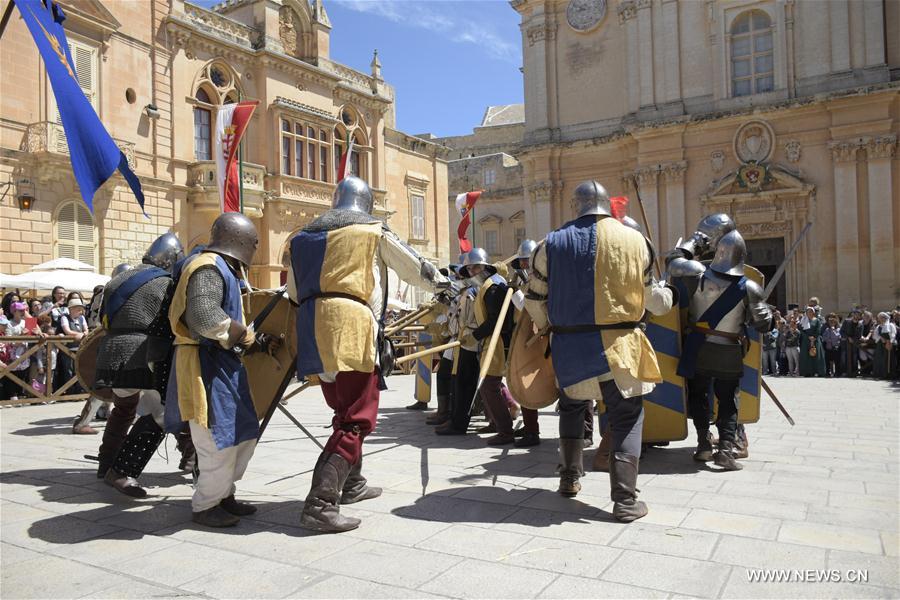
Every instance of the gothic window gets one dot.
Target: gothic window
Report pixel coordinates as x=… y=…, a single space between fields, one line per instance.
x=216 y=85
x=304 y=150
x=75 y=234
x=203 y=126
x=358 y=161
x=752 y=59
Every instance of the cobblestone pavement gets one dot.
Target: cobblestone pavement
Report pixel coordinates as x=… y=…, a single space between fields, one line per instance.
x=458 y=519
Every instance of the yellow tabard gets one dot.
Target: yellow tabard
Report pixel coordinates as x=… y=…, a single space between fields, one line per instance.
x=498 y=361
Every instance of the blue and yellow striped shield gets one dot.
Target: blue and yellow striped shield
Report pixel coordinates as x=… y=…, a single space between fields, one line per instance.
x=423 y=371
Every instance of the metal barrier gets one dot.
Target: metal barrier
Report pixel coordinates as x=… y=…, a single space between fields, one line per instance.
x=60 y=343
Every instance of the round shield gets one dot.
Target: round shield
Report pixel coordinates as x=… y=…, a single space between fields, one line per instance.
x=86 y=357
x=531 y=378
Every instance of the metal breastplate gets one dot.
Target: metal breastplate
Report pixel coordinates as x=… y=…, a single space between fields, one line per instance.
x=708 y=290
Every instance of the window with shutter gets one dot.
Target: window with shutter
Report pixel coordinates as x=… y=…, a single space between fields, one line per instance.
x=75 y=234
x=85 y=59
x=417 y=231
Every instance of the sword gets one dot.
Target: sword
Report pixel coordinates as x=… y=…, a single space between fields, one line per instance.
x=775 y=400
x=778 y=274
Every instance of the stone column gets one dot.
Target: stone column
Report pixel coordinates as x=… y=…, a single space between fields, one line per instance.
x=645 y=48
x=675 y=218
x=647 y=179
x=846 y=222
x=840 y=35
x=537 y=210
x=880 y=151
x=672 y=49
x=627 y=12
x=873 y=17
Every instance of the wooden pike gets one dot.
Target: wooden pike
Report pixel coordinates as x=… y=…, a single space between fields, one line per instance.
x=421 y=353
x=492 y=347
x=412 y=317
x=637 y=193
x=775 y=400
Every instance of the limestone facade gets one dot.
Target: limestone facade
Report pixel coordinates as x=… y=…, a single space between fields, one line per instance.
x=778 y=112
x=156 y=71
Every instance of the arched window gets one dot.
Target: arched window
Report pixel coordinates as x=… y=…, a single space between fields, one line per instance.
x=752 y=60
x=75 y=234
x=350 y=121
x=203 y=126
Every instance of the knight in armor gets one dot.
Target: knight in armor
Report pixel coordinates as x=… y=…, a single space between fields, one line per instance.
x=209 y=388
x=721 y=302
x=530 y=434
x=589 y=289
x=338 y=278
x=133 y=361
x=446 y=329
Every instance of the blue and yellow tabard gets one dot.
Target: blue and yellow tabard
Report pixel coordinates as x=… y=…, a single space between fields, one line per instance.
x=596 y=277
x=336 y=329
x=498 y=361
x=209 y=383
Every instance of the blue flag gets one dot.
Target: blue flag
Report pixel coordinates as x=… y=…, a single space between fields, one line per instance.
x=95 y=156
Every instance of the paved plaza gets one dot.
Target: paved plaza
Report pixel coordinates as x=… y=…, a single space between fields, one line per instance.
x=459 y=519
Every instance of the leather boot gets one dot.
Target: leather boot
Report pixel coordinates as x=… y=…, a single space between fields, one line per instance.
x=570 y=455
x=356 y=488
x=443 y=412
x=185 y=446
x=120 y=419
x=125 y=484
x=741 y=443
x=601 y=457
x=215 y=517
x=321 y=511
x=623 y=472
x=704 y=447
x=238 y=509
x=726 y=458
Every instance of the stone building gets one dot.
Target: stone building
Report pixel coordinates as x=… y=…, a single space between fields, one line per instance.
x=155 y=71
x=485 y=160
x=778 y=112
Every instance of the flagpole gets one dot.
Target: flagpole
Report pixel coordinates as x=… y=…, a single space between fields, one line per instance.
x=241 y=166
x=6 y=15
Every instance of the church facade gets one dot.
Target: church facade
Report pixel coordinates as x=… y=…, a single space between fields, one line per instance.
x=778 y=112
x=156 y=72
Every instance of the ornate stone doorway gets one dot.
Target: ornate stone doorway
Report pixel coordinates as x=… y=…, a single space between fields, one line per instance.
x=767 y=254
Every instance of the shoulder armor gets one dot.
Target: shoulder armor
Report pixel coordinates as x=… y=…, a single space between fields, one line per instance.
x=754 y=292
x=682 y=267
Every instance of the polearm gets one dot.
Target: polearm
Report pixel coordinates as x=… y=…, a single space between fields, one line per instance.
x=412 y=317
x=6 y=15
x=775 y=400
x=492 y=346
x=637 y=193
x=778 y=274
x=421 y=353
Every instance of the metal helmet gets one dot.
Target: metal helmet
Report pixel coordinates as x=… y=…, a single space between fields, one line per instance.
x=526 y=249
x=234 y=235
x=591 y=198
x=164 y=252
x=121 y=268
x=629 y=222
x=714 y=227
x=731 y=251
x=477 y=256
x=352 y=193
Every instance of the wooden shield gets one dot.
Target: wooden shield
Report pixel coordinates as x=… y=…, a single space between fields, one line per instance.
x=748 y=406
x=271 y=372
x=531 y=378
x=86 y=358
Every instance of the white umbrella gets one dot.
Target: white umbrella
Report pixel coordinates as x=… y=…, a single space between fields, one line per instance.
x=67 y=264
x=79 y=281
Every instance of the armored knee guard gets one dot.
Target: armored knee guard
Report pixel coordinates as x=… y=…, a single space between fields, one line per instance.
x=140 y=444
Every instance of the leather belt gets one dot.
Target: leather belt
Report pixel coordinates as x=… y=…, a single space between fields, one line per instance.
x=591 y=327
x=725 y=334
x=335 y=295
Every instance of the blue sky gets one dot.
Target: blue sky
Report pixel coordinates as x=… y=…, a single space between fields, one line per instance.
x=447 y=60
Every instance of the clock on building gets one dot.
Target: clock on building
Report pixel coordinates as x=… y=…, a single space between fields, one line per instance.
x=584 y=15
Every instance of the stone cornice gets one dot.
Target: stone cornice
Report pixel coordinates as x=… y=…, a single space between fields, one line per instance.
x=881 y=146
x=627 y=9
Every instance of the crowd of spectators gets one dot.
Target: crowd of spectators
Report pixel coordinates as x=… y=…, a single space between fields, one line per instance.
x=804 y=343
x=59 y=314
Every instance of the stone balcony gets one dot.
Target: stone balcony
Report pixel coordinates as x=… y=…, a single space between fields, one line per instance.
x=47 y=140
x=204 y=192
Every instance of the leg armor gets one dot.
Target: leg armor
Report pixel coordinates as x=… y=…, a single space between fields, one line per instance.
x=139 y=447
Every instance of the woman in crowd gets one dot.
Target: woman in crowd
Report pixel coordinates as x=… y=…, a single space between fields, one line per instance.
x=812 y=356
x=17 y=327
x=792 y=348
x=770 y=351
x=831 y=339
x=883 y=335
x=6 y=303
x=780 y=345
x=72 y=323
x=866 y=344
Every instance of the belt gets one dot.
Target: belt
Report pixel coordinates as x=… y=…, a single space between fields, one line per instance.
x=725 y=334
x=591 y=327
x=335 y=295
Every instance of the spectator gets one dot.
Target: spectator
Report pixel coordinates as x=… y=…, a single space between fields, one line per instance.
x=812 y=356
x=45 y=358
x=850 y=332
x=792 y=348
x=6 y=303
x=7 y=385
x=866 y=344
x=831 y=339
x=814 y=302
x=93 y=311
x=770 y=351
x=35 y=307
x=883 y=336
x=782 y=352
x=72 y=324
x=16 y=327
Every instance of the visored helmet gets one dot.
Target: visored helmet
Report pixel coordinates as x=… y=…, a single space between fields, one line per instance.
x=731 y=252
x=234 y=235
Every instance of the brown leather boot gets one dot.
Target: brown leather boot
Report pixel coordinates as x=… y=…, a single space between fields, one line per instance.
x=741 y=443
x=601 y=456
x=570 y=455
x=356 y=488
x=215 y=517
x=623 y=472
x=443 y=412
x=125 y=484
x=321 y=511
x=120 y=419
x=726 y=458
x=704 y=447
x=238 y=509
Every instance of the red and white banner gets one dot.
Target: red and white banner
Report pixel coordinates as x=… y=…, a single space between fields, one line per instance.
x=464 y=204
x=231 y=123
x=345 y=161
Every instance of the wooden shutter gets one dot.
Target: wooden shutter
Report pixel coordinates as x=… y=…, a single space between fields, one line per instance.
x=75 y=236
x=85 y=59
